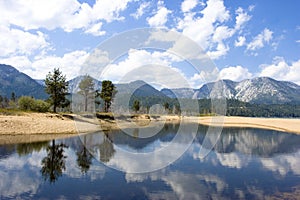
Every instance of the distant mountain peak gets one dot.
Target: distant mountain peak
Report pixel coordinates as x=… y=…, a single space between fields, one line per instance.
x=257 y=90
x=11 y=80
x=264 y=90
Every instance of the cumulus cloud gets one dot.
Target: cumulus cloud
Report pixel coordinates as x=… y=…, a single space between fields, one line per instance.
x=140 y=11
x=241 y=18
x=210 y=30
x=69 y=63
x=221 y=50
x=236 y=73
x=68 y=15
x=201 y=29
x=240 y=41
x=188 y=5
x=156 y=64
x=260 y=40
x=96 y=30
x=21 y=42
x=282 y=70
x=161 y=16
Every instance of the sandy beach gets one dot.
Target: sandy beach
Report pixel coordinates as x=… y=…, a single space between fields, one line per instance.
x=278 y=124
x=28 y=127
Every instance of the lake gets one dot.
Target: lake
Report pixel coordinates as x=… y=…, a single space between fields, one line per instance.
x=244 y=164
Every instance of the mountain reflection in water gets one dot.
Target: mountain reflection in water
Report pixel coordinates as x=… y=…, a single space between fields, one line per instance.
x=244 y=164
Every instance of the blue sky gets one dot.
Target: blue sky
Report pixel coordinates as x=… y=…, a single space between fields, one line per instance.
x=244 y=39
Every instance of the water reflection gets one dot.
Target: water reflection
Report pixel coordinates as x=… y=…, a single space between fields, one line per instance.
x=53 y=164
x=84 y=157
x=106 y=149
x=245 y=164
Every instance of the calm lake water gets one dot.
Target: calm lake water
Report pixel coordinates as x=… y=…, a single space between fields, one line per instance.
x=244 y=164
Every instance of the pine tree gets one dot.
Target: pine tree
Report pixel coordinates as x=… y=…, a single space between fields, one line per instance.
x=56 y=87
x=136 y=105
x=86 y=87
x=107 y=93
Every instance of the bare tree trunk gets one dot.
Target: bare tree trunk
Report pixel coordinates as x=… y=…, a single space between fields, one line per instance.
x=85 y=104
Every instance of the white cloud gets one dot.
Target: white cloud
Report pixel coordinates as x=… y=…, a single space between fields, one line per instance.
x=161 y=16
x=188 y=5
x=210 y=29
x=260 y=40
x=96 y=30
x=281 y=70
x=241 y=18
x=141 y=10
x=156 y=64
x=202 y=29
x=21 y=42
x=22 y=63
x=68 y=14
x=221 y=50
x=240 y=41
x=109 y=10
x=236 y=73
x=205 y=76
x=38 y=68
x=221 y=33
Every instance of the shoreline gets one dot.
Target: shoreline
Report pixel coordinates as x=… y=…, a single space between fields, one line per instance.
x=290 y=125
x=34 y=127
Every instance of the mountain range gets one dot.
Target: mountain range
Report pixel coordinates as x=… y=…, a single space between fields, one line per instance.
x=260 y=90
x=11 y=80
x=257 y=90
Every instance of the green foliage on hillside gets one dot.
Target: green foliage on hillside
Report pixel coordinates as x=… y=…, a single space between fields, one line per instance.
x=234 y=107
x=238 y=108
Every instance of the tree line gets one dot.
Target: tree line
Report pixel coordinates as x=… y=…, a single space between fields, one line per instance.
x=234 y=107
x=56 y=87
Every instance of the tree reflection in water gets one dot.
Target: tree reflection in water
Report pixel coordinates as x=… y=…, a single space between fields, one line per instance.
x=25 y=149
x=106 y=149
x=84 y=157
x=54 y=163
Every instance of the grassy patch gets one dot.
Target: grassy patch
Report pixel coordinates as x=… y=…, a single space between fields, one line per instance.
x=101 y=115
x=16 y=112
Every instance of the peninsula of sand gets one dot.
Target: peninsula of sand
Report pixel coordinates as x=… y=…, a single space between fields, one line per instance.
x=28 y=127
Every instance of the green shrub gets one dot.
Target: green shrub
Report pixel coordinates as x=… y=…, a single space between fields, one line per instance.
x=26 y=103
x=29 y=103
x=40 y=106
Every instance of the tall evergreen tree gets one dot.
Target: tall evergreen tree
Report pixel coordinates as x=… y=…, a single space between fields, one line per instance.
x=86 y=87
x=13 y=97
x=56 y=87
x=107 y=94
x=1 y=101
x=136 y=105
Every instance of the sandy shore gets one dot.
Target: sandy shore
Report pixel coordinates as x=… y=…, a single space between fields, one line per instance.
x=279 y=124
x=29 y=127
